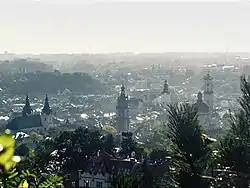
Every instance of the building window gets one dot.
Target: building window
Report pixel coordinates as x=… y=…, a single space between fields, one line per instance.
x=98 y=184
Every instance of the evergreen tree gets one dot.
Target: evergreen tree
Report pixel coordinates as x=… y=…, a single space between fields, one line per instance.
x=190 y=153
x=109 y=144
x=128 y=145
x=234 y=151
x=158 y=155
x=75 y=148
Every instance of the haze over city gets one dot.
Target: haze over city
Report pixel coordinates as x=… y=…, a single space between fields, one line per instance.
x=67 y=27
x=122 y=94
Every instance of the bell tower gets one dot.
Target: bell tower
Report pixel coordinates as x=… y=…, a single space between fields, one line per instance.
x=208 y=90
x=46 y=115
x=122 y=112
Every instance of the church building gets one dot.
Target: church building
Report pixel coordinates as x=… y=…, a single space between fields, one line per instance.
x=29 y=120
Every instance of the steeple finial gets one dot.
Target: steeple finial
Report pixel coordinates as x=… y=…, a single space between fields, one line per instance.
x=46 y=108
x=27 y=110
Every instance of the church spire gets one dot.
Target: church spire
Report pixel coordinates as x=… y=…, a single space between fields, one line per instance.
x=46 y=108
x=165 y=88
x=27 y=110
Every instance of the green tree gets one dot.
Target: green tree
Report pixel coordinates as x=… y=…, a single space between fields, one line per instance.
x=109 y=129
x=23 y=149
x=109 y=145
x=157 y=137
x=190 y=153
x=234 y=150
x=74 y=149
x=41 y=159
x=120 y=180
x=128 y=145
x=158 y=155
x=10 y=177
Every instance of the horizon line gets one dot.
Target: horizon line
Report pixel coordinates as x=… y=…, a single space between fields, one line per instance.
x=136 y=53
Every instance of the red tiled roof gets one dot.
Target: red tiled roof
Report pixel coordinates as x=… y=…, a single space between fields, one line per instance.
x=105 y=163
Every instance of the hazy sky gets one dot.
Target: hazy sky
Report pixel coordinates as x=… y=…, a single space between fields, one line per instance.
x=30 y=26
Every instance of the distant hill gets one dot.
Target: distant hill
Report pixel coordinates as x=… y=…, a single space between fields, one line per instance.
x=51 y=82
x=24 y=65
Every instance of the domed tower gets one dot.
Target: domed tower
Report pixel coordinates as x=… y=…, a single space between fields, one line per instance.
x=208 y=91
x=46 y=115
x=199 y=97
x=202 y=110
x=122 y=112
x=27 y=110
x=165 y=88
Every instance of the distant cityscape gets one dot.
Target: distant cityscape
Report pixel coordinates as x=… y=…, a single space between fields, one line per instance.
x=45 y=95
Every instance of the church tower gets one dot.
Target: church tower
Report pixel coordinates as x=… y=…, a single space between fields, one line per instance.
x=165 y=88
x=122 y=116
x=27 y=110
x=46 y=115
x=208 y=91
x=202 y=110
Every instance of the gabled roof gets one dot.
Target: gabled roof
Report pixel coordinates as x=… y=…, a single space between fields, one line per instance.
x=24 y=122
x=105 y=163
x=202 y=107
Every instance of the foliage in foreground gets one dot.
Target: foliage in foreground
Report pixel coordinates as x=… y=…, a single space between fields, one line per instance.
x=191 y=156
x=190 y=152
x=234 y=150
x=10 y=177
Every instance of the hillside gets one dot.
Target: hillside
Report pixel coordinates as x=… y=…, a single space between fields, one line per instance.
x=49 y=82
